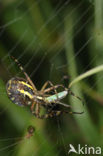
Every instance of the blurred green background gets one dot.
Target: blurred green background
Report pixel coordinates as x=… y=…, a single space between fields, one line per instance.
x=51 y=39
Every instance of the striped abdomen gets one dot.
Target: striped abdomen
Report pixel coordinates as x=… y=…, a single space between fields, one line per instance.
x=19 y=91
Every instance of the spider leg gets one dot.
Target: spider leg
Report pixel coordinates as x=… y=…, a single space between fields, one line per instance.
x=52 y=114
x=26 y=75
x=48 y=83
x=37 y=110
x=65 y=105
x=45 y=85
x=51 y=88
x=71 y=93
x=58 y=112
x=36 y=113
x=40 y=116
x=32 y=106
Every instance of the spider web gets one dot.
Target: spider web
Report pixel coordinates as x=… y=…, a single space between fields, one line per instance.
x=43 y=56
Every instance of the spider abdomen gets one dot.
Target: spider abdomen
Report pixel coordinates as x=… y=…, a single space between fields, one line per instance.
x=19 y=91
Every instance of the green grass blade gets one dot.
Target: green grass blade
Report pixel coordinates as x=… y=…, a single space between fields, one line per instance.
x=88 y=129
x=86 y=74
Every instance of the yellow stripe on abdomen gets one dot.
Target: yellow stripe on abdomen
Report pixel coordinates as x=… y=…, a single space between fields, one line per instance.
x=26 y=84
x=25 y=93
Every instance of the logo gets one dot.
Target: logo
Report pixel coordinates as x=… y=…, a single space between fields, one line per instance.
x=84 y=150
